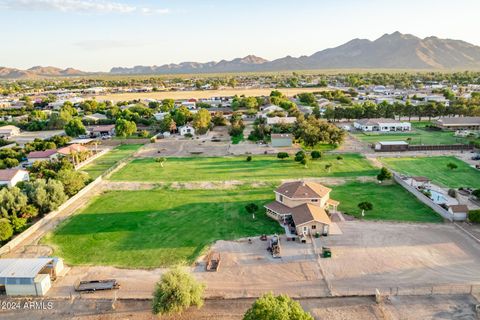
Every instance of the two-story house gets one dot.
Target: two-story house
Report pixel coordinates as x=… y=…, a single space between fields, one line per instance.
x=306 y=204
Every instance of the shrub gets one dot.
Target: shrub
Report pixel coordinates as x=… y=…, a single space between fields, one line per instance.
x=339 y=158
x=251 y=208
x=474 y=216
x=384 y=174
x=316 y=155
x=176 y=291
x=452 y=166
x=282 y=155
x=249 y=158
x=452 y=193
x=476 y=193
x=299 y=156
x=143 y=134
x=6 y=230
x=270 y=307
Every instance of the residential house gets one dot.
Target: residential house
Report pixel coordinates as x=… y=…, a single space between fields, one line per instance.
x=439 y=99
x=72 y=149
x=159 y=116
x=47 y=155
x=101 y=130
x=95 y=117
x=303 y=205
x=458 y=123
x=281 y=120
x=265 y=110
x=6 y=132
x=186 y=129
x=10 y=177
x=381 y=125
x=281 y=140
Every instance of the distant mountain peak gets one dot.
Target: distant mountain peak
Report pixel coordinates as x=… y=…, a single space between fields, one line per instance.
x=390 y=51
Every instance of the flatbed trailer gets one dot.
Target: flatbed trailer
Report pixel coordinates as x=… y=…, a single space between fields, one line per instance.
x=96 y=285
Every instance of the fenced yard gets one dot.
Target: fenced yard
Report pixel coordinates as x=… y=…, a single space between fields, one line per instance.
x=435 y=168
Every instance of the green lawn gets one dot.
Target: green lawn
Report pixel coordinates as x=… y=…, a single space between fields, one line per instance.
x=390 y=202
x=155 y=228
x=148 y=229
x=436 y=169
x=418 y=135
x=100 y=165
x=261 y=168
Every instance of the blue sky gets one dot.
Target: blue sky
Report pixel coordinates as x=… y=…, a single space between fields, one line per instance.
x=98 y=35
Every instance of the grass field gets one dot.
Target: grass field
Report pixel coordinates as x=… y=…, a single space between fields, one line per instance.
x=147 y=229
x=436 y=169
x=390 y=202
x=261 y=168
x=154 y=228
x=419 y=135
x=100 y=165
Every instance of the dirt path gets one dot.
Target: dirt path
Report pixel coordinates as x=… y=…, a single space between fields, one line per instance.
x=457 y=307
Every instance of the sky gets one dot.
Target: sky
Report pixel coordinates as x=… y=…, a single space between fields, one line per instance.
x=98 y=35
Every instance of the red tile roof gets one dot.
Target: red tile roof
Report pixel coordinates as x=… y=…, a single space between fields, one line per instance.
x=42 y=154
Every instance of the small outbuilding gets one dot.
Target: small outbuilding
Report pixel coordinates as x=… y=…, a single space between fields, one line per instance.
x=459 y=212
x=186 y=129
x=28 y=277
x=281 y=140
x=391 y=146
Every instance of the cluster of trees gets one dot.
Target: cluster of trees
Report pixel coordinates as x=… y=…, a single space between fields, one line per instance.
x=385 y=110
x=236 y=124
x=313 y=131
x=51 y=184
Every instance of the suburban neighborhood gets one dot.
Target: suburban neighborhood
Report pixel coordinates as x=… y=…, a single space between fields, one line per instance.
x=153 y=167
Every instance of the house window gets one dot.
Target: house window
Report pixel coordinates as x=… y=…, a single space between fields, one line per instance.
x=314 y=200
x=281 y=198
x=314 y=227
x=305 y=229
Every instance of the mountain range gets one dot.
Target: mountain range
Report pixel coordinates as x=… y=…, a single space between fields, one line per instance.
x=390 y=51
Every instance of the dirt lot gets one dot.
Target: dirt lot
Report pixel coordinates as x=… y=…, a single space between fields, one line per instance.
x=393 y=257
x=214 y=144
x=202 y=94
x=458 y=307
x=383 y=255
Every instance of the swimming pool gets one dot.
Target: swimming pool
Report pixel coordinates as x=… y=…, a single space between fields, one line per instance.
x=437 y=197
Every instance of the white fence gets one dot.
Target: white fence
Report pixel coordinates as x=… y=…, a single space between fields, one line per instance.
x=423 y=198
x=89 y=160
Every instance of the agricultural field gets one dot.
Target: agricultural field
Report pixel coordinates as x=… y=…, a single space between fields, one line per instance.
x=436 y=169
x=261 y=168
x=390 y=202
x=154 y=228
x=418 y=135
x=100 y=165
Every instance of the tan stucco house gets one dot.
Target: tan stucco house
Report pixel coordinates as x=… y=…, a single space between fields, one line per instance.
x=304 y=204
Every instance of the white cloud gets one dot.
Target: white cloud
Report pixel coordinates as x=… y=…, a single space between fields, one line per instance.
x=80 y=6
